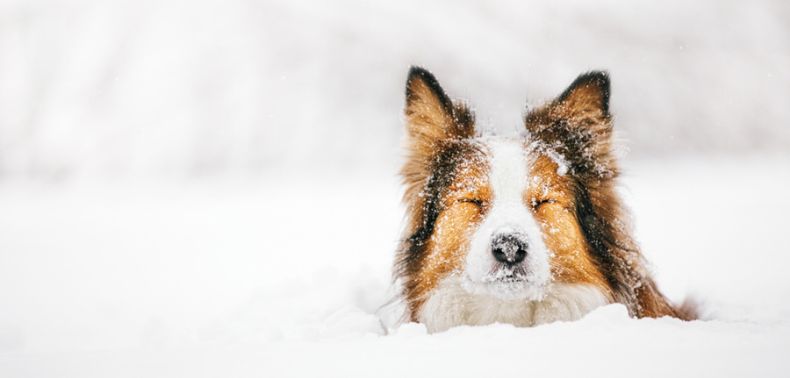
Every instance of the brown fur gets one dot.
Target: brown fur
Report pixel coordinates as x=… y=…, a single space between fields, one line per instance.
x=572 y=261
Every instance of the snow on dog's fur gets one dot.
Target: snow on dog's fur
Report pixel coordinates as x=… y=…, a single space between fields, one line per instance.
x=523 y=230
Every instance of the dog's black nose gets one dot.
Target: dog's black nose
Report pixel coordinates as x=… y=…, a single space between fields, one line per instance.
x=509 y=249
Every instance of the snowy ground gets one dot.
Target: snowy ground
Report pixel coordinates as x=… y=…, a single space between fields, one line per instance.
x=287 y=278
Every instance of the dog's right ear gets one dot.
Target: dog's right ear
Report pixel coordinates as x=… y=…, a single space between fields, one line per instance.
x=431 y=117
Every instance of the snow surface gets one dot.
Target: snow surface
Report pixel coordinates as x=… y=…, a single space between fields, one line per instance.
x=287 y=278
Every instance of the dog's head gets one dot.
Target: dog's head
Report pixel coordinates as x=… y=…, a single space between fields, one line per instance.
x=513 y=216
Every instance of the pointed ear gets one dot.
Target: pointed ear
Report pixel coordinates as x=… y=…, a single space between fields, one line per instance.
x=430 y=114
x=577 y=124
x=589 y=93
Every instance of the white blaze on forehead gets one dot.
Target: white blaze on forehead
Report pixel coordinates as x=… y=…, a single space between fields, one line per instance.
x=508 y=213
x=508 y=175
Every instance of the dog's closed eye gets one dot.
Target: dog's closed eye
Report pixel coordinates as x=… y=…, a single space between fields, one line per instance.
x=536 y=204
x=475 y=201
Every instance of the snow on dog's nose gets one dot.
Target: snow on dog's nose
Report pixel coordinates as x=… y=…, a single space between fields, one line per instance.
x=509 y=248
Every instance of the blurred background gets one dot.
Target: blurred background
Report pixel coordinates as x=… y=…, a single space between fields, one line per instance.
x=172 y=88
x=178 y=172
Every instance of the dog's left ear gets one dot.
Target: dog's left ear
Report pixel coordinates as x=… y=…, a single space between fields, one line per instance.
x=577 y=125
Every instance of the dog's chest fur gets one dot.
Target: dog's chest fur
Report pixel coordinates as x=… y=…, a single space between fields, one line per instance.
x=450 y=305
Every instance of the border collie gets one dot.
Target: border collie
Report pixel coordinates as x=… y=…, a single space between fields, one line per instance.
x=523 y=230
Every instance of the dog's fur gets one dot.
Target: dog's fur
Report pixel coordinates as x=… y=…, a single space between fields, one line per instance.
x=549 y=194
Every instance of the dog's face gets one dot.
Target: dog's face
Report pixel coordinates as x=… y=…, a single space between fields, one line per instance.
x=506 y=221
x=504 y=217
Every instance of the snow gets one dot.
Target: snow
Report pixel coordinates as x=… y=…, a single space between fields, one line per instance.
x=291 y=277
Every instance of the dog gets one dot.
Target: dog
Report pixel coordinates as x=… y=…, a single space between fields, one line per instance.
x=523 y=230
